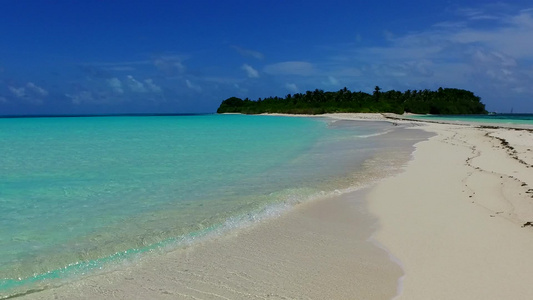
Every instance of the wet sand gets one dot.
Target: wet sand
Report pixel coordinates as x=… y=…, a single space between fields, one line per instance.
x=317 y=251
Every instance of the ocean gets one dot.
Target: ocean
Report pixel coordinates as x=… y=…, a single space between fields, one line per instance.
x=497 y=119
x=80 y=195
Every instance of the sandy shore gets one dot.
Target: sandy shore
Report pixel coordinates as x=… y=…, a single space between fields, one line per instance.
x=317 y=251
x=455 y=218
x=452 y=223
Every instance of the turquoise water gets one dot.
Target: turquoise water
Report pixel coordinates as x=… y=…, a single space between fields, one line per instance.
x=80 y=194
x=515 y=119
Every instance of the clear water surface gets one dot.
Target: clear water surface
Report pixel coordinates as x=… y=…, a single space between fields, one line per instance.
x=78 y=194
x=510 y=119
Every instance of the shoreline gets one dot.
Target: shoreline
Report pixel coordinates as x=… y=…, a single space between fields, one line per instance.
x=318 y=250
x=448 y=227
x=460 y=228
x=459 y=219
x=311 y=250
x=406 y=119
x=485 y=253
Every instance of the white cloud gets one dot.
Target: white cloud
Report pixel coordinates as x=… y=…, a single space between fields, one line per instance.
x=493 y=59
x=116 y=85
x=291 y=87
x=332 y=80
x=523 y=20
x=500 y=69
x=81 y=97
x=121 y=69
x=102 y=68
x=240 y=89
x=170 y=64
x=251 y=72
x=476 y=14
x=30 y=92
x=192 y=86
x=149 y=83
x=509 y=34
x=134 y=85
x=450 y=24
x=388 y=35
x=248 y=52
x=301 y=68
x=18 y=92
x=36 y=89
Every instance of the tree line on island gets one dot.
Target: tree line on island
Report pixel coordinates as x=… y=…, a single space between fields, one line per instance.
x=445 y=101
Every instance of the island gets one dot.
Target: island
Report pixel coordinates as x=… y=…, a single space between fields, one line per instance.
x=444 y=101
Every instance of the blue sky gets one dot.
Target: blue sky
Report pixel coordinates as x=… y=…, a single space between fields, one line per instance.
x=72 y=57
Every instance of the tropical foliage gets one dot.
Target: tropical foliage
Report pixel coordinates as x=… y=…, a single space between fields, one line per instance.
x=442 y=101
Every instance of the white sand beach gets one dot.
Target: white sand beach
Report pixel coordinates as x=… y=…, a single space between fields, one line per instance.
x=455 y=218
x=452 y=225
x=317 y=251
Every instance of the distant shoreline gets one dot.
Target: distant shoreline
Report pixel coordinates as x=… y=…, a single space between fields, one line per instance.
x=408 y=118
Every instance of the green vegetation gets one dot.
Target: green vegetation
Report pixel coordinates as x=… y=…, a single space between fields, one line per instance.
x=443 y=101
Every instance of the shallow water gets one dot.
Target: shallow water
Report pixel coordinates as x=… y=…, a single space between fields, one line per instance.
x=80 y=194
x=509 y=119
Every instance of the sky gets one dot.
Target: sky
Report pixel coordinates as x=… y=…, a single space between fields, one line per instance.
x=108 y=57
